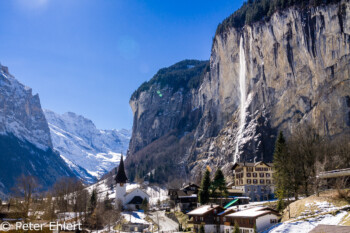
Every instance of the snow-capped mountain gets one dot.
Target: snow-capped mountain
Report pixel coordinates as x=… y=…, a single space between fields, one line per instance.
x=25 y=142
x=21 y=113
x=88 y=151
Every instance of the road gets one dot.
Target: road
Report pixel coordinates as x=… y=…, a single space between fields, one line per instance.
x=165 y=224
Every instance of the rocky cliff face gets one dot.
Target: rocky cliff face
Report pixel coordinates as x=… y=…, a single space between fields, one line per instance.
x=25 y=142
x=21 y=113
x=267 y=77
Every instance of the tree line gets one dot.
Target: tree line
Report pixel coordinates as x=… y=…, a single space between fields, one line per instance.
x=256 y=10
x=298 y=160
x=68 y=195
x=212 y=188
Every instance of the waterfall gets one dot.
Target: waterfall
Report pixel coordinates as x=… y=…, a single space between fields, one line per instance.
x=242 y=85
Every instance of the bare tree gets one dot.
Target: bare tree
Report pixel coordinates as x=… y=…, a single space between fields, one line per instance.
x=26 y=187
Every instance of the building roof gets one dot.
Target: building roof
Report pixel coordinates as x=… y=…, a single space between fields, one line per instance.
x=137 y=200
x=330 y=228
x=202 y=210
x=244 y=164
x=252 y=212
x=121 y=178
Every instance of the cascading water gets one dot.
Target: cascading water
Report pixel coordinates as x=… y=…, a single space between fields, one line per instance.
x=242 y=85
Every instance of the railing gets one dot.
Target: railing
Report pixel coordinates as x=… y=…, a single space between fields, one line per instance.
x=334 y=173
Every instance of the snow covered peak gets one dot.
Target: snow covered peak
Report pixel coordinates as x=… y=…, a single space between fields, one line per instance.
x=20 y=112
x=90 y=152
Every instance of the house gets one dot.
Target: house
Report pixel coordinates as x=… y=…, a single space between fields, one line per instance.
x=130 y=200
x=247 y=219
x=206 y=215
x=186 y=198
x=254 y=180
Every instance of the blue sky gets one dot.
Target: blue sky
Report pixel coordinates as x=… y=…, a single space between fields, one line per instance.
x=88 y=56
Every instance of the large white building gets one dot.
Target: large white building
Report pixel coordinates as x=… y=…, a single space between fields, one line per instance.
x=132 y=199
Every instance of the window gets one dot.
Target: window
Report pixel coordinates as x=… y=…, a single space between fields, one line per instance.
x=262 y=182
x=201 y=218
x=224 y=219
x=215 y=211
x=268 y=181
x=255 y=181
x=249 y=174
x=261 y=174
x=248 y=189
x=267 y=174
x=249 y=181
x=255 y=174
x=249 y=169
x=273 y=220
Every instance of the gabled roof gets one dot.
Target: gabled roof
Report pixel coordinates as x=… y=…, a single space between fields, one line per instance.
x=245 y=164
x=202 y=210
x=121 y=178
x=253 y=212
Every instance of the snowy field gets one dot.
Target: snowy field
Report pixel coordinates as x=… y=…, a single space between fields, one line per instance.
x=315 y=213
x=302 y=226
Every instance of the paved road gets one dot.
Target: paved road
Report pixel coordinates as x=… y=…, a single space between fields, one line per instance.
x=165 y=224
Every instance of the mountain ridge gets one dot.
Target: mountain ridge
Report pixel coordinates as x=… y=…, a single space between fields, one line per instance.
x=88 y=151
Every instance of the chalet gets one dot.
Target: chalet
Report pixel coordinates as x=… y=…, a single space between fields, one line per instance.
x=185 y=198
x=254 y=180
x=132 y=199
x=259 y=217
x=206 y=215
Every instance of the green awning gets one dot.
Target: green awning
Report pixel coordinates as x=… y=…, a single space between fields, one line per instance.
x=231 y=203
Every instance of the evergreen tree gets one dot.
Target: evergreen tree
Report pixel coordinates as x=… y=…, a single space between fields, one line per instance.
x=255 y=230
x=144 y=205
x=281 y=174
x=236 y=229
x=219 y=184
x=107 y=203
x=93 y=201
x=201 y=229
x=204 y=193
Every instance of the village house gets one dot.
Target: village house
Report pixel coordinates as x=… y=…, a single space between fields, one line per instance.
x=254 y=180
x=185 y=199
x=206 y=215
x=216 y=219
x=132 y=199
x=260 y=218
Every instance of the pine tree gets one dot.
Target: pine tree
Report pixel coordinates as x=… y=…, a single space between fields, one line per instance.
x=93 y=201
x=219 y=184
x=144 y=205
x=204 y=193
x=201 y=229
x=236 y=229
x=280 y=162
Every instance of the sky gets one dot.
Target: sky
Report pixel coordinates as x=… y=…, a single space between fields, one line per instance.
x=89 y=56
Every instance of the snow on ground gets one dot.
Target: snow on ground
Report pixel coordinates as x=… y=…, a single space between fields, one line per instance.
x=307 y=225
x=156 y=193
x=135 y=217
